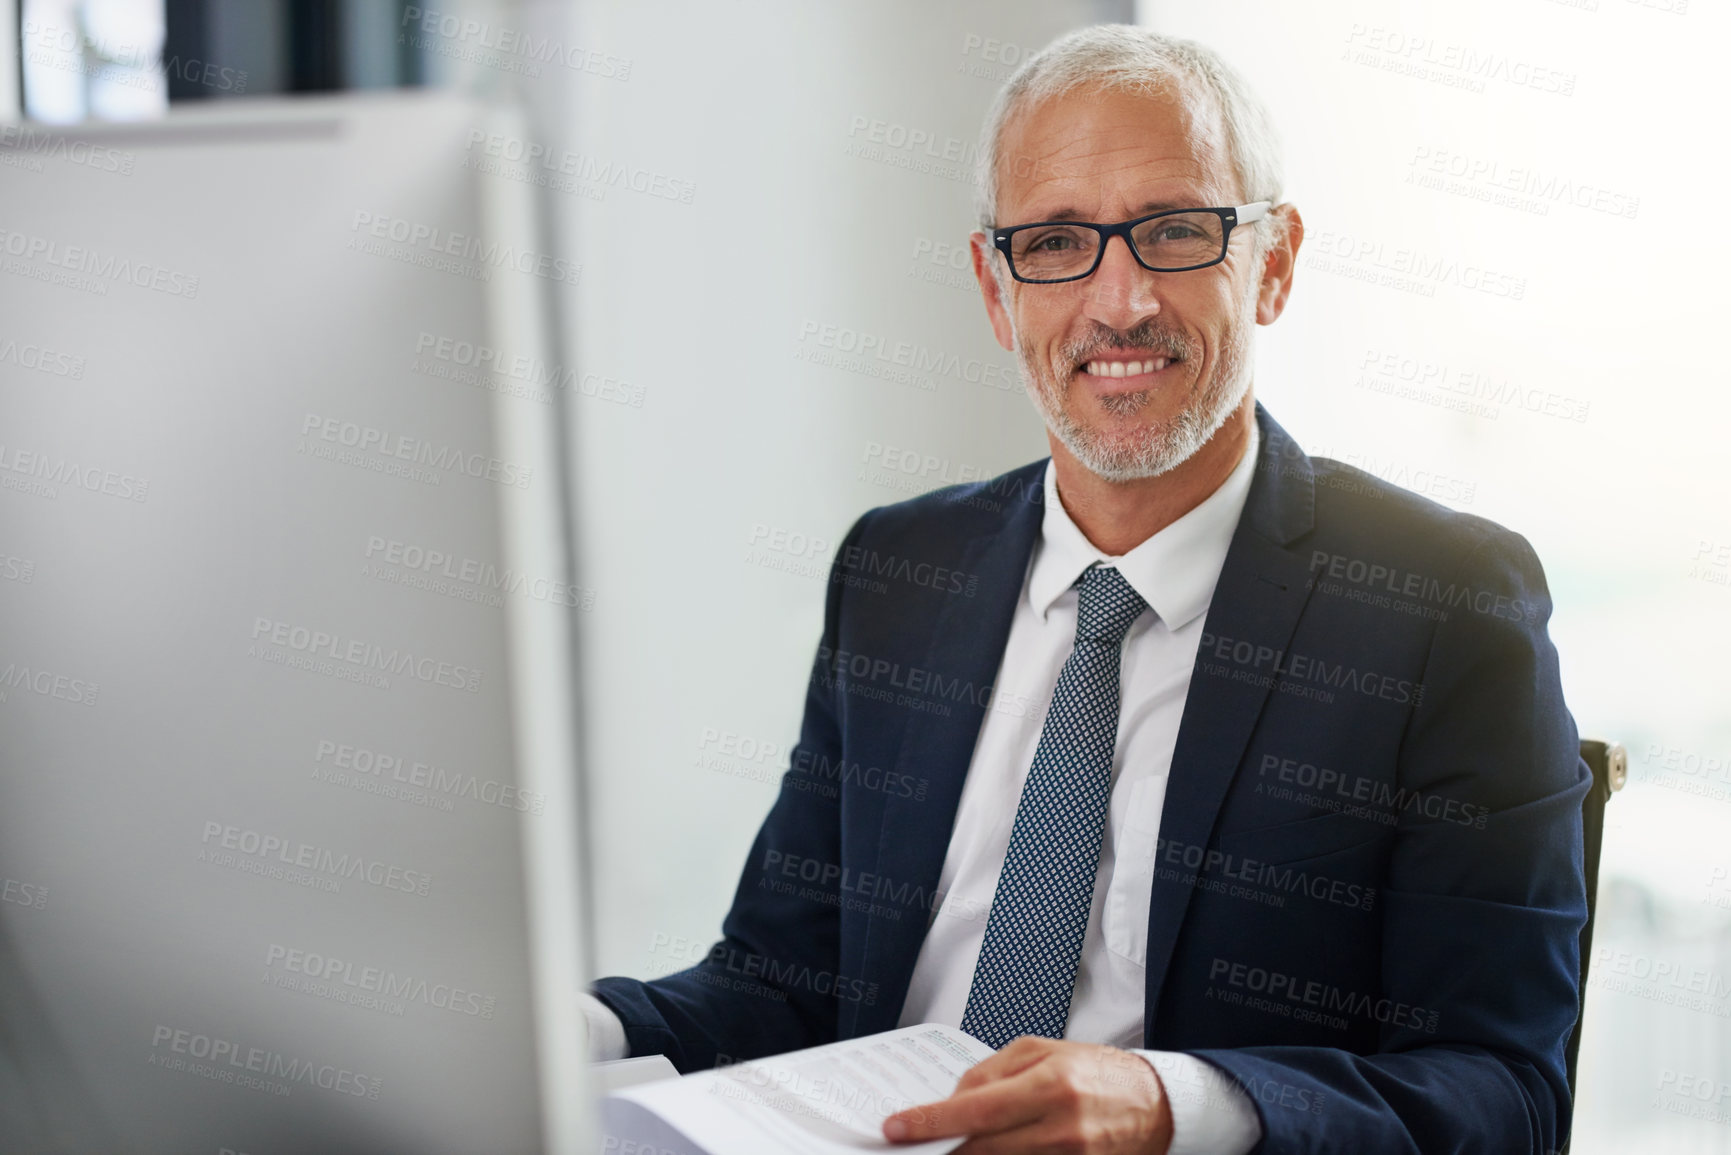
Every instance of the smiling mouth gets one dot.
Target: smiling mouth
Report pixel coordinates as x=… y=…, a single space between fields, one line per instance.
x=1140 y=373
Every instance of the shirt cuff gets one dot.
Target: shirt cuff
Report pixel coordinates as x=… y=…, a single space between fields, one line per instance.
x=606 y=1032
x=1211 y=1114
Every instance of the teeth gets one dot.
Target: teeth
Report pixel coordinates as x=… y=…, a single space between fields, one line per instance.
x=1125 y=368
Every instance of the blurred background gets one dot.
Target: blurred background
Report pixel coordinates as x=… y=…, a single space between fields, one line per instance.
x=1505 y=301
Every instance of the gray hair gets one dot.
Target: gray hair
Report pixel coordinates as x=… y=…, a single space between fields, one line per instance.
x=1126 y=58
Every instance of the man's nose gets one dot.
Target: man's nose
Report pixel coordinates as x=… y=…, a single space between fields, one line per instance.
x=1121 y=292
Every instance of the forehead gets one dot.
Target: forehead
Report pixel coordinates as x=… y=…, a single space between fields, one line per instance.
x=1096 y=151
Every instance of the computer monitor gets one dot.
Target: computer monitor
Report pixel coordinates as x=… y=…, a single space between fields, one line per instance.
x=288 y=841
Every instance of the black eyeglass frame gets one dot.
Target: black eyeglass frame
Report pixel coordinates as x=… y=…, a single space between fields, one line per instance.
x=1229 y=217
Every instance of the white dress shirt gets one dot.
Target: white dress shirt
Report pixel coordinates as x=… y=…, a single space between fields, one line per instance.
x=1175 y=572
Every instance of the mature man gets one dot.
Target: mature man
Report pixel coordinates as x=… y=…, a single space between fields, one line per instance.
x=1285 y=853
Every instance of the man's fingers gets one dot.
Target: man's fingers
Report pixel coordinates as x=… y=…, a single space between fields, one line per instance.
x=997 y=1106
x=1017 y=1056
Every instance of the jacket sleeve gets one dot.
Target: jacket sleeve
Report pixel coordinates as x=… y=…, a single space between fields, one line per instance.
x=1480 y=925
x=770 y=984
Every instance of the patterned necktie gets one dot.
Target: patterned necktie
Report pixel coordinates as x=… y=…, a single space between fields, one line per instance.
x=1027 y=968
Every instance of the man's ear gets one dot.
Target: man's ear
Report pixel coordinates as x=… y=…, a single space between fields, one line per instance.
x=985 y=271
x=1279 y=263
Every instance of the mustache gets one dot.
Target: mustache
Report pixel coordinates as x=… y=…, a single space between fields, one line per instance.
x=1149 y=336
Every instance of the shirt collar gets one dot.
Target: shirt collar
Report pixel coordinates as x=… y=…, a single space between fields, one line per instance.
x=1174 y=571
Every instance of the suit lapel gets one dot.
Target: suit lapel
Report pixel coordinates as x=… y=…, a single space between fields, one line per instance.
x=967 y=644
x=1260 y=595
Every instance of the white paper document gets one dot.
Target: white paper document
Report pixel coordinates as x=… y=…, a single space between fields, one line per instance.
x=829 y=1100
x=618 y=1074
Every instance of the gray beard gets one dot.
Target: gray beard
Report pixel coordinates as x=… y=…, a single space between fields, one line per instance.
x=1159 y=449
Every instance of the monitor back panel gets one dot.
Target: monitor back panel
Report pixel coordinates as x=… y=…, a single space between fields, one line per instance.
x=261 y=827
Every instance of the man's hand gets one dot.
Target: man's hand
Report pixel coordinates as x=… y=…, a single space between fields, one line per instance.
x=1049 y=1095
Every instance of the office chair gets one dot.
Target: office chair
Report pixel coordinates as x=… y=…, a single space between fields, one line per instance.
x=1609 y=763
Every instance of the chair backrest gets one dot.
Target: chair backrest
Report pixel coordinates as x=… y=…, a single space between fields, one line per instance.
x=1609 y=763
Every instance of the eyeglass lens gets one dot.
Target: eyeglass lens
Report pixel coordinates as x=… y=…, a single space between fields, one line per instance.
x=1169 y=242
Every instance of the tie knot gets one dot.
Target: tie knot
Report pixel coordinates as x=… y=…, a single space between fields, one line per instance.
x=1108 y=605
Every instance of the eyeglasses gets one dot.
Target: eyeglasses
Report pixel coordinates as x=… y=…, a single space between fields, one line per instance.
x=1174 y=241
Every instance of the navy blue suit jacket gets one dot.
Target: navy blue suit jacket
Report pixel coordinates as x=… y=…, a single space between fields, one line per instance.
x=1368 y=887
